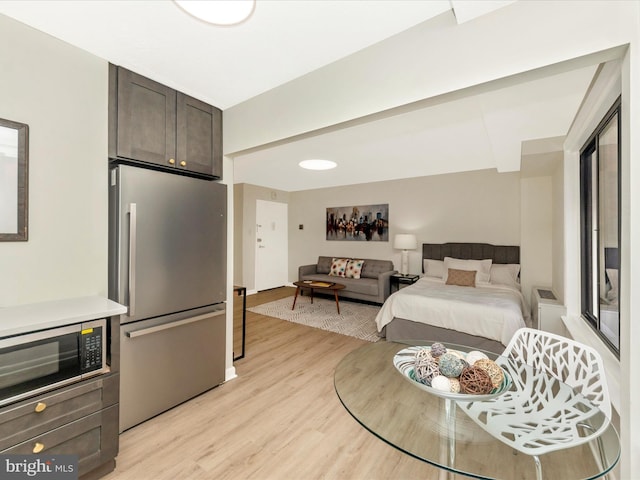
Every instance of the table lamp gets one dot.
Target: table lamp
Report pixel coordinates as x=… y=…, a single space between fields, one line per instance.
x=405 y=242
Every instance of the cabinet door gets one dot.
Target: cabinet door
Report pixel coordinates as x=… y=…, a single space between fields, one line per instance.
x=93 y=438
x=199 y=136
x=146 y=119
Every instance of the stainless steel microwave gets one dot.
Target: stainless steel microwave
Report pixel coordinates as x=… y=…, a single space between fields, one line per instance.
x=34 y=363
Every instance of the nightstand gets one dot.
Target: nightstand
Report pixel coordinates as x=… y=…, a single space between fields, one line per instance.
x=399 y=281
x=547 y=311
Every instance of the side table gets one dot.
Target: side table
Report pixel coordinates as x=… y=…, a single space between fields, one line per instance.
x=397 y=279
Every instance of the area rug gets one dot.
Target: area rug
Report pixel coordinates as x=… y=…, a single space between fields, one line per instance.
x=355 y=319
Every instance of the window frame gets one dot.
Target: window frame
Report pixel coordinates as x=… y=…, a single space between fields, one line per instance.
x=590 y=259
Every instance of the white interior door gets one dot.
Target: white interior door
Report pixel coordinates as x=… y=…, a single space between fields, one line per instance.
x=272 y=246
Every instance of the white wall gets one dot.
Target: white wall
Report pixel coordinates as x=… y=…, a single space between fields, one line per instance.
x=557 y=248
x=61 y=93
x=389 y=74
x=536 y=231
x=482 y=206
x=245 y=233
x=614 y=79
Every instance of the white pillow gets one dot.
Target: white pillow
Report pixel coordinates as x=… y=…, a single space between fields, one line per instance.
x=433 y=268
x=482 y=267
x=505 y=274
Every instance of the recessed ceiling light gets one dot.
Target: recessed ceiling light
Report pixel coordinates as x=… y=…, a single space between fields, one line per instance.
x=218 y=12
x=318 y=164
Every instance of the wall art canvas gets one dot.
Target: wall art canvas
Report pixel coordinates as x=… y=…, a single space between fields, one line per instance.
x=363 y=223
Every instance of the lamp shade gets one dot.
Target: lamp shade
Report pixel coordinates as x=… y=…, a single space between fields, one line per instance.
x=405 y=241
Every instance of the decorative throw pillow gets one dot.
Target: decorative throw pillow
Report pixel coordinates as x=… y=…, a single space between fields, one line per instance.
x=338 y=267
x=483 y=267
x=354 y=268
x=462 y=278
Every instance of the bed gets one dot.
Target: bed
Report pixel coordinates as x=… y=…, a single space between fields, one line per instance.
x=440 y=306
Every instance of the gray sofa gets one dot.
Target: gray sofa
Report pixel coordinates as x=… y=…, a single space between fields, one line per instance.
x=373 y=284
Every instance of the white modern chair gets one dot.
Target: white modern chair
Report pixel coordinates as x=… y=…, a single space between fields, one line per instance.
x=539 y=414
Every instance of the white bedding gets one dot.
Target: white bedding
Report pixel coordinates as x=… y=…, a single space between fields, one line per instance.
x=490 y=311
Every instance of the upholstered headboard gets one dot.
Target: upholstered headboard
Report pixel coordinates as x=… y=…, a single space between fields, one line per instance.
x=472 y=251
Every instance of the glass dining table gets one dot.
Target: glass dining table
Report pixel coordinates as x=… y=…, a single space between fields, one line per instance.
x=430 y=428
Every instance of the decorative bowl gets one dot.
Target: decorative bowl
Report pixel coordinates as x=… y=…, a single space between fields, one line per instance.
x=404 y=361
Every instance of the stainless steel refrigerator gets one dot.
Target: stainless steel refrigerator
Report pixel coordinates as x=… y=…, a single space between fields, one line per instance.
x=167 y=264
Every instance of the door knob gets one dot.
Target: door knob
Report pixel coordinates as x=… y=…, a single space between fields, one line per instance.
x=40 y=406
x=172 y=161
x=183 y=163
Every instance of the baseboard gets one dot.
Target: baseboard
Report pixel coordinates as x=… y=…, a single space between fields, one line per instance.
x=230 y=374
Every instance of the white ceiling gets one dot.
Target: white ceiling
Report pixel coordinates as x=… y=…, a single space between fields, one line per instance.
x=287 y=39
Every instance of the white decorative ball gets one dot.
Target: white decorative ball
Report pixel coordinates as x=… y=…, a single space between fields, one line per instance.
x=474 y=356
x=456 y=353
x=441 y=383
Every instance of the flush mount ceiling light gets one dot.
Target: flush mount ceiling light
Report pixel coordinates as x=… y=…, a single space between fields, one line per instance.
x=318 y=164
x=218 y=12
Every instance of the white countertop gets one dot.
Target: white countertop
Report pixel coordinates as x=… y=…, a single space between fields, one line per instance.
x=40 y=316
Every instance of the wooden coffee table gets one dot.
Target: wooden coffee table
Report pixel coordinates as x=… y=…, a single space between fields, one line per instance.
x=317 y=285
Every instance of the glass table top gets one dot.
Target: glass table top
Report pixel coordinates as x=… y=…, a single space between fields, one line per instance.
x=431 y=428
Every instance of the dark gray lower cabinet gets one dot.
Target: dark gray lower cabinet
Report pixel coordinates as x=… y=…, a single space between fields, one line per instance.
x=81 y=419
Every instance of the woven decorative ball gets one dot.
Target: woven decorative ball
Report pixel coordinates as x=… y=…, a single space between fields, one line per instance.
x=474 y=356
x=455 y=385
x=492 y=368
x=424 y=354
x=438 y=349
x=442 y=383
x=475 y=381
x=425 y=370
x=450 y=365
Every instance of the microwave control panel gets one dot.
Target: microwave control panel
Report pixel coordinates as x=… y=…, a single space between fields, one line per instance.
x=91 y=345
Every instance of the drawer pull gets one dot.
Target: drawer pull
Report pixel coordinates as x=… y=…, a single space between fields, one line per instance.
x=38 y=447
x=40 y=406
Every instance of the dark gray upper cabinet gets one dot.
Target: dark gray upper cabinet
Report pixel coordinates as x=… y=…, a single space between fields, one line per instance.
x=154 y=124
x=199 y=136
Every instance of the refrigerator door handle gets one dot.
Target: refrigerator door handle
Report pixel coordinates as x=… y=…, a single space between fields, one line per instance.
x=132 y=258
x=167 y=326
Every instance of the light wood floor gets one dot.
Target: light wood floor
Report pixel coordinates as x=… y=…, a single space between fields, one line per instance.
x=280 y=419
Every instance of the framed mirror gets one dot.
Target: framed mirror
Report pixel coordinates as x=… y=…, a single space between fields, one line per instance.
x=14 y=163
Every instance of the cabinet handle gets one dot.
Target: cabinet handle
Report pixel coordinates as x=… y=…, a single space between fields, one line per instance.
x=40 y=406
x=38 y=447
x=172 y=161
x=183 y=163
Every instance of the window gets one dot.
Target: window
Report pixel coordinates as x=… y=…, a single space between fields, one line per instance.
x=600 y=228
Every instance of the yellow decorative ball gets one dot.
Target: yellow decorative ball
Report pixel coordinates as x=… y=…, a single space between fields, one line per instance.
x=493 y=369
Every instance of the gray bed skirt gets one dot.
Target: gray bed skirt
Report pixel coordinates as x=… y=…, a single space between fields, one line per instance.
x=400 y=329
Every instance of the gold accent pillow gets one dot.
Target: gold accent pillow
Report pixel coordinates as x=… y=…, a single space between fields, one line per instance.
x=462 y=278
